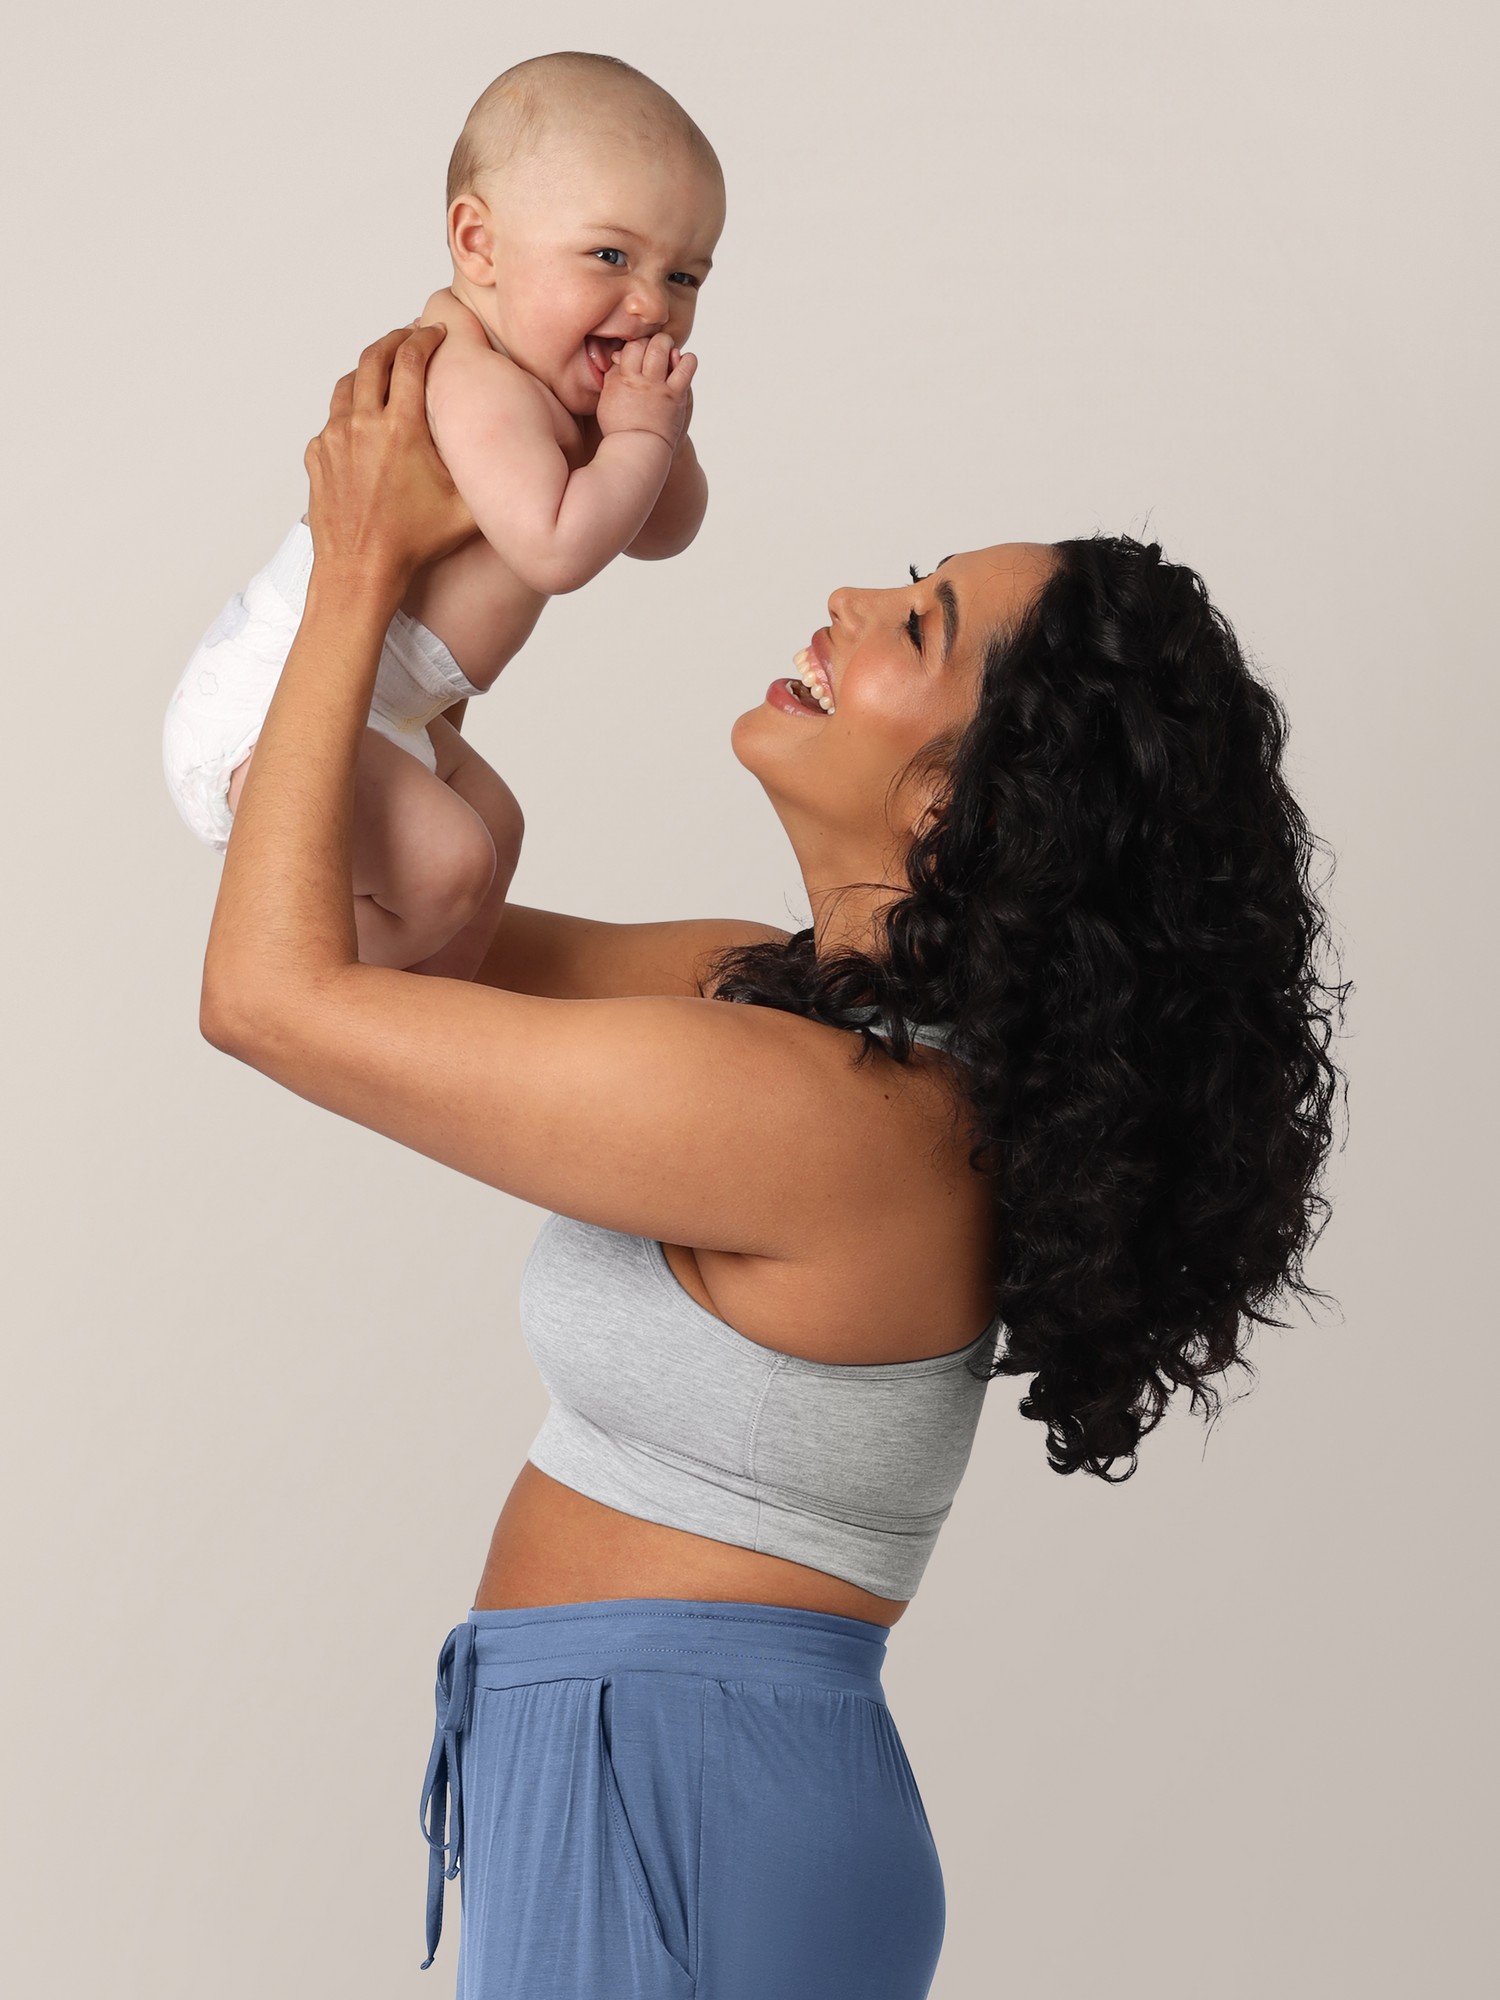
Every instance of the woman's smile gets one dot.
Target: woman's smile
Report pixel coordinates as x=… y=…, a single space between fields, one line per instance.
x=795 y=697
x=815 y=663
x=811 y=692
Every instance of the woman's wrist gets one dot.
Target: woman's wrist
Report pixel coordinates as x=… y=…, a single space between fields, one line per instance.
x=356 y=592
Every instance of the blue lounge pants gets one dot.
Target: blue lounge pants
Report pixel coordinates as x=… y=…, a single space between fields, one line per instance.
x=659 y=1800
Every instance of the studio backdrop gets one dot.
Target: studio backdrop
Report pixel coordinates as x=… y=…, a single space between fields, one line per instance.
x=1218 y=274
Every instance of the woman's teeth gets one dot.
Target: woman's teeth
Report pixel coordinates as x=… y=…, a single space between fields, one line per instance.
x=815 y=682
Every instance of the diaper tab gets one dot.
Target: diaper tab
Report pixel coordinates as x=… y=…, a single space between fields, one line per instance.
x=289 y=569
x=418 y=676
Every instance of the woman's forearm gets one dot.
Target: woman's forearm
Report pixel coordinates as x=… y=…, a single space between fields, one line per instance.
x=285 y=913
x=381 y=505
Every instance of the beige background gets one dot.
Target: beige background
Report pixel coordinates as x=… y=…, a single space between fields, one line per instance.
x=1223 y=271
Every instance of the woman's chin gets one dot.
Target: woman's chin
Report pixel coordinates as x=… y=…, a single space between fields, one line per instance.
x=763 y=736
x=743 y=736
x=759 y=739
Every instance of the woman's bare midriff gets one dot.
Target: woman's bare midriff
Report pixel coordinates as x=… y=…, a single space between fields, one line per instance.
x=554 y=1546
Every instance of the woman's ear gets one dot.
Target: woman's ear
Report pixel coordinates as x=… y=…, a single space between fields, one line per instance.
x=471 y=240
x=920 y=795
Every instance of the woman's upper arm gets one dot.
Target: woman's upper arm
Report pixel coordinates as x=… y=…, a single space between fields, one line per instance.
x=576 y=958
x=689 y=1120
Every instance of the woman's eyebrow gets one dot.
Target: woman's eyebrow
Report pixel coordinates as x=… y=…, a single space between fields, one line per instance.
x=946 y=596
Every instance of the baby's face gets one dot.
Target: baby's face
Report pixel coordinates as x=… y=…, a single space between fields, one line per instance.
x=596 y=244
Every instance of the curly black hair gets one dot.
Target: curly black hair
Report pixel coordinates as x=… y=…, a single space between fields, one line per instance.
x=1113 y=908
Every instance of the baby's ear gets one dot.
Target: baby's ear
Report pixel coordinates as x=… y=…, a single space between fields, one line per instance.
x=471 y=239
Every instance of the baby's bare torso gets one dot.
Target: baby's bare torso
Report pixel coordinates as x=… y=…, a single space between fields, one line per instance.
x=477 y=606
x=473 y=600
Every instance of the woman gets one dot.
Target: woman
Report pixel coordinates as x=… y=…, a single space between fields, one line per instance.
x=1044 y=1091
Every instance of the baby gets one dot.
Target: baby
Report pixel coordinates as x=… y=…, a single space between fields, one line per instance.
x=583 y=209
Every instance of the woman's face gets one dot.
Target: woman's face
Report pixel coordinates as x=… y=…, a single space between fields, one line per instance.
x=902 y=668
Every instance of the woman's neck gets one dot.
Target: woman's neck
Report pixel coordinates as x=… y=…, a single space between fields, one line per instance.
x=852 y=879
x=850 y=918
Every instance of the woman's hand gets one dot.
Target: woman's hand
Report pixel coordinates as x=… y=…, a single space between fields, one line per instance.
x=382 y=502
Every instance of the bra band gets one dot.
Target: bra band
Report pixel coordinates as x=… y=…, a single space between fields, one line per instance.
x=935 y=1037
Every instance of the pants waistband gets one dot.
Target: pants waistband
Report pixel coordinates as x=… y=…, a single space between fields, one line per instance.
x=660 y=1635
x=663 y=1635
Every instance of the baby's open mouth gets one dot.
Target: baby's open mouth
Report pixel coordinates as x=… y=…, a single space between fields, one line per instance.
x=601 y=348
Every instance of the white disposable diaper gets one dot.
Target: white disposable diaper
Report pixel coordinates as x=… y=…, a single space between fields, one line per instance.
x=214 y=717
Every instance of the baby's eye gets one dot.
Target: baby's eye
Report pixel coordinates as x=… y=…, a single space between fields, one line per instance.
x=682 y=278
x=614 y=257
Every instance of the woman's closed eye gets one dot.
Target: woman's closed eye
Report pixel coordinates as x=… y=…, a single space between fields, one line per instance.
x=913 y=627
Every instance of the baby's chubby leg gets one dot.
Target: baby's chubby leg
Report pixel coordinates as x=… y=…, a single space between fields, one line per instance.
x=485 y=793
x=424 y=861
x=433 y=855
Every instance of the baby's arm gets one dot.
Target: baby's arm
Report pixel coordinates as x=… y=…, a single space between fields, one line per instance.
x=554 y=527
x=679 y=510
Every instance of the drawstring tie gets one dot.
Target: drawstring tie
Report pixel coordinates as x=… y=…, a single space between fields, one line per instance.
x=442 y=1816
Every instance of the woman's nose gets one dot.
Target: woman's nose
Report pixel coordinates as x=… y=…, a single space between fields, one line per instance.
x=844 y=604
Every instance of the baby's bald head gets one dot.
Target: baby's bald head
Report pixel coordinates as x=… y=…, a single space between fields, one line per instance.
x=561 y=96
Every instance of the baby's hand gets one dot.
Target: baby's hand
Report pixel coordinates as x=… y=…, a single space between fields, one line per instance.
x=646 y=389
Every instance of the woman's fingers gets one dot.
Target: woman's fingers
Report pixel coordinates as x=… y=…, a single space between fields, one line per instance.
x=408 y=394
x=381 y=499
x=372 y=377
x=342 y=401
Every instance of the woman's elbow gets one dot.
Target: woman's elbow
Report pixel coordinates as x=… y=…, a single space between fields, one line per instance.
x=224 y=1023
x=235 y=1014
x=276 y=1019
